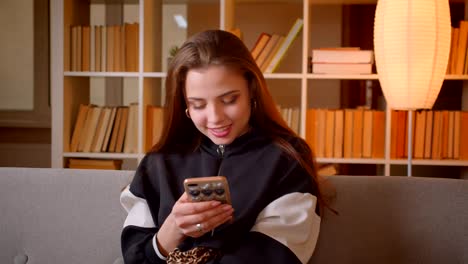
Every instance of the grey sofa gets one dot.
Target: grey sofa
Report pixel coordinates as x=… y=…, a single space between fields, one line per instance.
x=73 y=216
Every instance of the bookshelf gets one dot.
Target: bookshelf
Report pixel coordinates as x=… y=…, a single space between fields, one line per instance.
x=291 y=84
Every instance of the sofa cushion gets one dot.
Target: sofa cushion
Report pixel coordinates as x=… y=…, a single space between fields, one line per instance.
x=61 y=215
x=395 y=220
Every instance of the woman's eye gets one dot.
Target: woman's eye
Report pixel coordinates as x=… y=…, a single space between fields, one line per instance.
x=198 y=106
x=230 y=100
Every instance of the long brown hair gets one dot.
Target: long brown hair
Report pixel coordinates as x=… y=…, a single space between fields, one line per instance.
x=217 y=47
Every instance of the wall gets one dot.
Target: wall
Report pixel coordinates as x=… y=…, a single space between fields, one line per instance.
x=25 y=137
x=16 y=65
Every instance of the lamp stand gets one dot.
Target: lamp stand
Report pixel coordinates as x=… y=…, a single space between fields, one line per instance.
x=410 y=139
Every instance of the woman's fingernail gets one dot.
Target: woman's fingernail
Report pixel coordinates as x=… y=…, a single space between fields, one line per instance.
x=215 y=203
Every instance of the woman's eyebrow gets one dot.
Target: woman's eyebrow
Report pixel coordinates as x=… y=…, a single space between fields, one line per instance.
x=219 y=96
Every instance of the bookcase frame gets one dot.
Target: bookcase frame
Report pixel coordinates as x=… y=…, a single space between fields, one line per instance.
x=69 y=89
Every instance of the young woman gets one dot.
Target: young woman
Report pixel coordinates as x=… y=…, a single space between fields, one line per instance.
x=221 y=120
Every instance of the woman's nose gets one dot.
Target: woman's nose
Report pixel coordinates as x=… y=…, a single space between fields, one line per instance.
x=215 y=114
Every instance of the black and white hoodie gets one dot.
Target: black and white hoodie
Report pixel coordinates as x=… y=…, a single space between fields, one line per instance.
x=275 y=219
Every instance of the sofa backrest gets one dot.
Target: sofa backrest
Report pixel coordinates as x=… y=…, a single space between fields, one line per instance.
x=74 y=217
x=395 y=220
x=61 y=215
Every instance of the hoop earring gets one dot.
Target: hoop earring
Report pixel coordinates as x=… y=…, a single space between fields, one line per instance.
x=254 y=104
x=187 y=112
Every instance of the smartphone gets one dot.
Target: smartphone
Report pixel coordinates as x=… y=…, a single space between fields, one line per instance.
x=208 y=189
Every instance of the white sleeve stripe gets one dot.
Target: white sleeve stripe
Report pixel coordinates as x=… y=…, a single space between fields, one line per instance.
x=292 y=221
x=156 y=248
x=137 y=209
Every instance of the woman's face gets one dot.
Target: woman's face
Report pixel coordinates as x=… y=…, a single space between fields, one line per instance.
x=219 y=103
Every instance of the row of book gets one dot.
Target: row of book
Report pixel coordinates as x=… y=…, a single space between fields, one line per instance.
x=269 y=48
x=341 y=60
x=292 y=117
x=458 y=56
x=435 y=135
x=105 y=129
x=346 y=133
x=154 y=125
x=97 y=164
x=332 y=133
x=104 y=48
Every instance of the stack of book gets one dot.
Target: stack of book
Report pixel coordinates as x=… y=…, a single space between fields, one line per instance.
x=105 y=129
x=292 y=117
x=95 y=164
x=344 y=60
x=104 y=48
x=459 y=44
x=269 y=49
x=346 y=133
x=436 y=135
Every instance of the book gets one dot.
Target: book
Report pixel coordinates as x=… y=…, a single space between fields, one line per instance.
x=86 y=128
x=262 y=57
x=290 y=37
x=260 y=44
x=428 y=135
x=85 y=48
x=131 y=138
x=265 y=64
x=378 y=134
x=94 y=164
x=101 y=131
x=158 y=118
x=327 y=170
x=104 y=48
x=115 y=130
x=342 y=68
x=97 y=48
x=342 y=56
x=320 y=132
x=456 y=134
x=454 y=51
x=92 y=48
x=444 y=135
x=92 y=127
x=461 y=48
x=367 y=134
x=79 y=127
x=348 y=133
x=358 y=116
x=311 y=128
x=338 y=138
x=436 y=135
x=420 y=129
x=463 y=139
x=329 y=133
x=122 y=129
x=131 y=47
x=109 y=128
x=235 y=31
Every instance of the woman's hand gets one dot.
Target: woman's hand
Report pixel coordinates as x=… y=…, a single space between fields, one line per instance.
x=191 y=219
x=194 y=219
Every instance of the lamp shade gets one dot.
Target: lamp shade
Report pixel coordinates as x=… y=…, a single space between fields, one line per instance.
x=412 y=46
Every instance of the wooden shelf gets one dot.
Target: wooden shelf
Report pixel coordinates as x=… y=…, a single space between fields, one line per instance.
x=101 y=155
x=343 y=76
x=350 y=161
x=429 y=162
x=282 y=75
x=101 y=74
x=291 y=83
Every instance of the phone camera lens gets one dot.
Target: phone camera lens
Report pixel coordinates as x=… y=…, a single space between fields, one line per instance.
x=219 y=191
x=194 y=193
x=207 y=192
